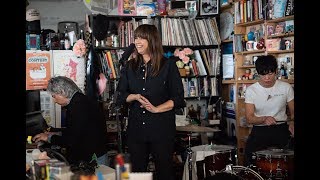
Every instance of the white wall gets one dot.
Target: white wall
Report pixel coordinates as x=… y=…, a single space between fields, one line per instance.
x=54 y=11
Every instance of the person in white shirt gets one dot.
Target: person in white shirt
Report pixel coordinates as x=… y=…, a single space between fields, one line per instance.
x=266 y=102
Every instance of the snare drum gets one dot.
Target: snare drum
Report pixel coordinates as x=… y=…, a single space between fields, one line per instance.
x=275 y=163
x=223 y=155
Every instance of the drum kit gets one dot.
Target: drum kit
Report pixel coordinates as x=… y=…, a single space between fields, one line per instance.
x=270 y=164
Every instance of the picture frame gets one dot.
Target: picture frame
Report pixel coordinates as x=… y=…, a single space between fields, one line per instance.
x=191 y=6
x=209 y=7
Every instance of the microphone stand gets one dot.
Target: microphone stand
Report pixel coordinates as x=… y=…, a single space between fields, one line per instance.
x=116 y=110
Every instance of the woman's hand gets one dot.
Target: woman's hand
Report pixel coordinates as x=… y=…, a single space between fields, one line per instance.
x=269 y=120
x=133 y=97
x=291 y=128
x=40 y=137
x=145 y=103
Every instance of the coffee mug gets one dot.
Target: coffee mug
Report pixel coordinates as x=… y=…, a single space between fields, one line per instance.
x=249 y=45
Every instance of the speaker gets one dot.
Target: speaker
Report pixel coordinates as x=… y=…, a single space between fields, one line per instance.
x=69 y=26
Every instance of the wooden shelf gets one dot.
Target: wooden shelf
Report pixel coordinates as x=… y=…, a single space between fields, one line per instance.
x=194 y=97
x=290 y=81
x=108 y=48
x=194 y=47
x=244 y=67
x=251 y=23
x=228 y=81
x=227 y=41
x=286 y=18
x=250 y=52
x=281 y=51
x=200 y=76
x=247 y=81
x=281 y=35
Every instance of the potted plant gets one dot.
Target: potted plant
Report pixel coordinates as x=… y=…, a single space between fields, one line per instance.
x=185 y=55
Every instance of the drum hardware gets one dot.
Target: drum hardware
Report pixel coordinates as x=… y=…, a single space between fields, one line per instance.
x=228 y=168
x=241 y=172
x=189 y=152
x=278 y=171
x=252 y=166
x=222 y=157
x=191 y=129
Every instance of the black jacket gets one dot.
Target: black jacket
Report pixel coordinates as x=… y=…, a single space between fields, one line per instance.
x=85 y=132
x=167 y=85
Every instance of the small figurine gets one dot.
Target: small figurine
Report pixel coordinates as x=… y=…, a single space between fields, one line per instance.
x=288 y=44
x=247 y=74
x=260 y=44
x=126 y=7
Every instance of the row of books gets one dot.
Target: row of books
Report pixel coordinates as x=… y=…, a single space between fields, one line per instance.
x=185 y=32
x=252 y=10
x=200 y=87
x=110 y=63
x=248 y=10
x=207 y=62
x=126 y=29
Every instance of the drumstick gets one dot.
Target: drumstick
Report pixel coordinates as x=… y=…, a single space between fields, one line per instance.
x=285 y=120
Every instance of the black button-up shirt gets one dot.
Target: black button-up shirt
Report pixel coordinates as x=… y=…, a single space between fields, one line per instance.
x=167 y=85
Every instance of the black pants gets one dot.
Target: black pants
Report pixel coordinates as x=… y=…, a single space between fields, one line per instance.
x=264 y=137
x=162 y=153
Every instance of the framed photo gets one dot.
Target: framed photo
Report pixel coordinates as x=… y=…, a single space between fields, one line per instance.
x=191 y=6
x=209 y=7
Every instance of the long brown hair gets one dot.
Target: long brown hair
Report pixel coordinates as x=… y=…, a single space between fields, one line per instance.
x=155 y=49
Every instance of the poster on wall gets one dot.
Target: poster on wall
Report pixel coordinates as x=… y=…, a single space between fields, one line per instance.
x=37 y=69
x=66 y=63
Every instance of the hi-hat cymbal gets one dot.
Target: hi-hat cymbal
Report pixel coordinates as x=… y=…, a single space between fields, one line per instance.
x=195 y=128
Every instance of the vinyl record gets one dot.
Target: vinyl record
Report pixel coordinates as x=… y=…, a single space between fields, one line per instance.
x=226 y=25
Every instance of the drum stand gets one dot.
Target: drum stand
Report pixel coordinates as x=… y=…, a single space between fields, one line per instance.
x=189 y=151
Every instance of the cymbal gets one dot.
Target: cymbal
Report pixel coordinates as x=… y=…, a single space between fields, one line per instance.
x=195 y=128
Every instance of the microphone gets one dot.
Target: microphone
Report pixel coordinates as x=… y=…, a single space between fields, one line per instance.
x=127 y=52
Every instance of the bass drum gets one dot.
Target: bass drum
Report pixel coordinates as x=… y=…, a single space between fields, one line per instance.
x=241 y=172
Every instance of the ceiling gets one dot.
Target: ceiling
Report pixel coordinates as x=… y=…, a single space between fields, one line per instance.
x=54 y=11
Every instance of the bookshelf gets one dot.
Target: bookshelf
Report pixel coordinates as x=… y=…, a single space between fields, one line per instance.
x=268 y=29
